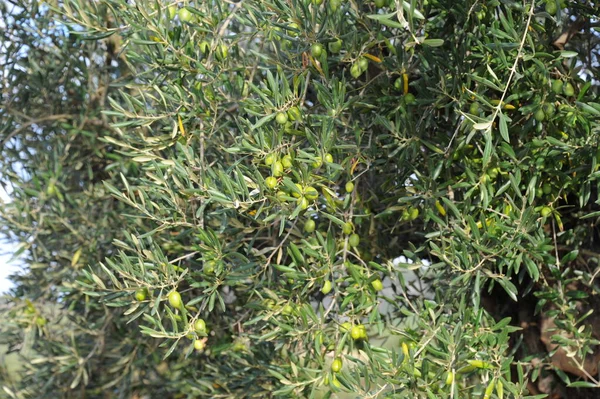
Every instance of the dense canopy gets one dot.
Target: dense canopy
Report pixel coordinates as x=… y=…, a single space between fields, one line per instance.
x=296 y=198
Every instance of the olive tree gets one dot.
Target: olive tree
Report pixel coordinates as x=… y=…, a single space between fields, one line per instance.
x=326 y=198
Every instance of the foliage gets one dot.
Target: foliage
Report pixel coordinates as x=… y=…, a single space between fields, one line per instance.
x=357 y=197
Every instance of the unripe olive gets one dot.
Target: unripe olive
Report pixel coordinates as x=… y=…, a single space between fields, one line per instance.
x=175 y=299
x=309 y=226
x=316 y=50
x=281 y=118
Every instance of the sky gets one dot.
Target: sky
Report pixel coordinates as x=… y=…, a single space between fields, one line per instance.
x=6 y=251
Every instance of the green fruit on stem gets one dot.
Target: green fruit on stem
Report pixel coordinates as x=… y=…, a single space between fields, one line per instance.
x=316 y=50
x=549 y=110
x=413 y=213
x=551 y=7
x=349 y=187
x=310 y=226
x=380 y=3
x=398 y=84
x=175 y=299
x=347 y=228
x=140 y=295
x=409 y=99
x=546 y=188
x=568 y=89
x=277 y=169
x=286 y=161
x=199 y=345
x=271 y=182
x=363 y=64
x=311 y=193
x=557 y=86
x=356 y=333
x=185 y=15
x=335 y=47
x=474 y=109
x=172 y=11
x=328 y=158
x=377 y=285
x=345 y=327
x=354 y=240
x=317 y=163
x=336 y=365
x=355 y=70
x=200 y=326
x=302 y=203
x=539 y=115
x=270 y=159
x=294 y=114
x=204 y=47
x=334 y=5
x=209 y=266
x=546 y=211
x=326 y=289
x=281 y=118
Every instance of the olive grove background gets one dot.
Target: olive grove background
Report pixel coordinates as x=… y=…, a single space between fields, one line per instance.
x=301 y=198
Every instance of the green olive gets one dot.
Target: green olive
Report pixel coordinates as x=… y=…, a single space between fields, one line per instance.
x=334 y=5
x=309 y=226
x=413 y=213
x=204 y=47
x=200 y=326
x=349 y=187
x=335 y=47
x=345 y=327
x=347 y=228
x=294 y=114
x=551 y=7
x=172 y=10
x=270 y=159
x=209 y=266
x=474 y=109
x=546 y=211
x=336 y=365
x=302 y=203
x=281 y=118
x=409 y=98
x=199 y=344
x=271 y=182
x=316 y=50
x=355 y=71
x=377 y=285
x=140 y=295
x=399 y=84
x=549 y=110
x=363 y=64
x=175 y=299
x=326 y=289
x=298 y=193
x=328 y=158
x=277 y=169
x=539 y=115
x=546 y=188
x=568 y=89
x=317 y=163
x=286 y=161
x=354 y=240
x=557 y=86
x=185 y=15
x=311 y=193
